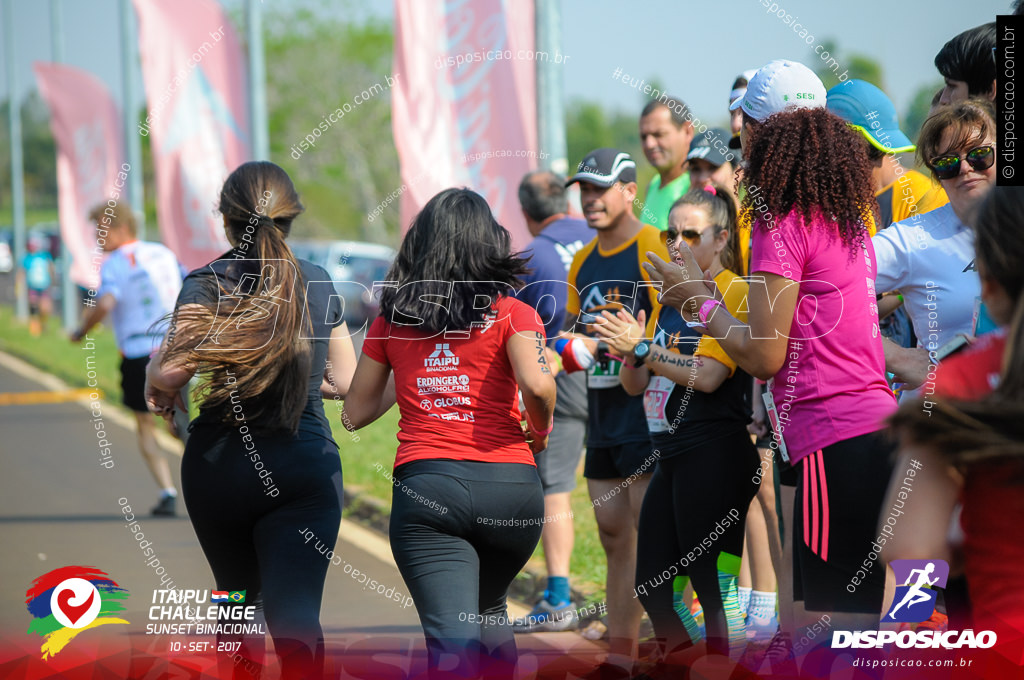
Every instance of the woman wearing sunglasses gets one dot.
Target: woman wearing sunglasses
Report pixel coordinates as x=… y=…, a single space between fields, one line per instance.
x=929 y=257
x=813 y=333
x=694 y=402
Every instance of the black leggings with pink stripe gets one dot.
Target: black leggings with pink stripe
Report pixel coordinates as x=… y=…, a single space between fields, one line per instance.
x=839 y=494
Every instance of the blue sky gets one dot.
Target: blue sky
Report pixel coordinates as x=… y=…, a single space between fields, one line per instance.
x=694 y=49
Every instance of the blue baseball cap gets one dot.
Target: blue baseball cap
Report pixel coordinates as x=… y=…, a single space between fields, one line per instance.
x=866 y=108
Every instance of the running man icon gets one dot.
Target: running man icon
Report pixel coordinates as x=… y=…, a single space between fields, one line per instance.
x=916 y=597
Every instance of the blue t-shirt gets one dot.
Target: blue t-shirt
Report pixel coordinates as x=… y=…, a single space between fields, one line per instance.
x=37 y=270
x=552 y=251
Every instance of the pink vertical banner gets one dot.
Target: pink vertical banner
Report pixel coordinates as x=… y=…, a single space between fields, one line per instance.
x=197 y=118
x=90 y=152
x=464 y=107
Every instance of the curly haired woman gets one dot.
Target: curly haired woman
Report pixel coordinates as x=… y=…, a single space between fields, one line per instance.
x=813 y=332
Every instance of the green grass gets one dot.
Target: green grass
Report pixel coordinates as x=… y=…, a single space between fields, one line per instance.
x=360 y=452
x=56 y=354
x=588 y=563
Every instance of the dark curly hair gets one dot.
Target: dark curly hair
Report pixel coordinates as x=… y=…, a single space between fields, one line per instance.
x=810 y=162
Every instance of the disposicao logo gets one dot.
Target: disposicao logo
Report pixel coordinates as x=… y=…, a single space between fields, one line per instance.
x=914 y=602
x=915 y=598
x=69 y=600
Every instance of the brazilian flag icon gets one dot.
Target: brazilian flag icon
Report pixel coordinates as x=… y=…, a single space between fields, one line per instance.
x=237 y=596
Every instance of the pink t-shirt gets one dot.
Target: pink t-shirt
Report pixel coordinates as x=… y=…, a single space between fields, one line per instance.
x=832 y=386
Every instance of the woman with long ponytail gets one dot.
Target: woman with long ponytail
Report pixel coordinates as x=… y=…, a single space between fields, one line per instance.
x=257 y=328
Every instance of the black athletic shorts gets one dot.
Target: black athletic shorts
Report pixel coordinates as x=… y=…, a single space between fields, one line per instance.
x=620 y=461
x=839 y=496
x=133 y=383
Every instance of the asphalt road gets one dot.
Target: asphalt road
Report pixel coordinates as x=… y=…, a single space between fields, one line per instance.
x=59 y=506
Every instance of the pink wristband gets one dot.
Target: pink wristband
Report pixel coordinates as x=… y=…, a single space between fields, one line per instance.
x=545 y=433
x=705 y=309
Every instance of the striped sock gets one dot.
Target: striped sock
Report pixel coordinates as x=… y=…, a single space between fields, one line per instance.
x=692 y=629
x=728 y=574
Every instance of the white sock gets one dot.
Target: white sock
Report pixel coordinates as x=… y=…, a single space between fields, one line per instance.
x=744 y=599
x=169 y=491
x=762 y=604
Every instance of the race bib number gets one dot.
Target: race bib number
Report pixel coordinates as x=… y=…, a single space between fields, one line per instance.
x=599 y=378
x=656 y=401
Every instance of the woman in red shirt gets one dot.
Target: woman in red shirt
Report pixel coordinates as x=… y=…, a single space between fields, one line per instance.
x=968 y=440
x=467 y=504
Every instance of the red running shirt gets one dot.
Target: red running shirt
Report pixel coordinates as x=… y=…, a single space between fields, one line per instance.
x=993 y=502
x=973 y=373
x=456 y=391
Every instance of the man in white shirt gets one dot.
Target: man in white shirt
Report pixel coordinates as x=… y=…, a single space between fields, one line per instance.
x=139 y=283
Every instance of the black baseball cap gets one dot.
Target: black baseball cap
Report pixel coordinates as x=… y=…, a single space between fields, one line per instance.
x=604 y=167
x=711 y=146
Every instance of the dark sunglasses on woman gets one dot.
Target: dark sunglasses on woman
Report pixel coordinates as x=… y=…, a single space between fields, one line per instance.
x=670 y=235
x=947 y=166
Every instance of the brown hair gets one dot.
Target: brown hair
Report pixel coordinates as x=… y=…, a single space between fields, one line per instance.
x=721 y=210
x=966 y=432
x=972 y=120
x=810 y=162
x=109 y=216
x=265 y=362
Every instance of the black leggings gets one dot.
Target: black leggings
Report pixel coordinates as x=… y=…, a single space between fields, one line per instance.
x=691 y=524
x=254 y=541
x=460 y=532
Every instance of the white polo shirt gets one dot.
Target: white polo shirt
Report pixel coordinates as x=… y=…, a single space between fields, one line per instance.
x=145 y=279
x=929 y=258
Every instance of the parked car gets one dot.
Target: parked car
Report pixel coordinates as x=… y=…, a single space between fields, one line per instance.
x=354 y=266
x=6 y=257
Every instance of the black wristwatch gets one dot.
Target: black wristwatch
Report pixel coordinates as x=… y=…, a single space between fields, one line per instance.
x=641 y=352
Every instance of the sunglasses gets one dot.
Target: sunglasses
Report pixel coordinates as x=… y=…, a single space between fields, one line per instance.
x=671 y=234
x=979 y=158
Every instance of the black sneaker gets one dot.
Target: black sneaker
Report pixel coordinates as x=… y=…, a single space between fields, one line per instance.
x=166 y=507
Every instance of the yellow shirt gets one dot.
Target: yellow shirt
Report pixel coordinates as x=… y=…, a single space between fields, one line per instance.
x=935 y=198
x=734 y=297
x=734 y=294
x=905 y=197
x=607 y=269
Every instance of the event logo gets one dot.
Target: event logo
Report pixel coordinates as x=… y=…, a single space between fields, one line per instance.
x=914 y=602
x=915 y=598
x=441 y=359
x=66 y=601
